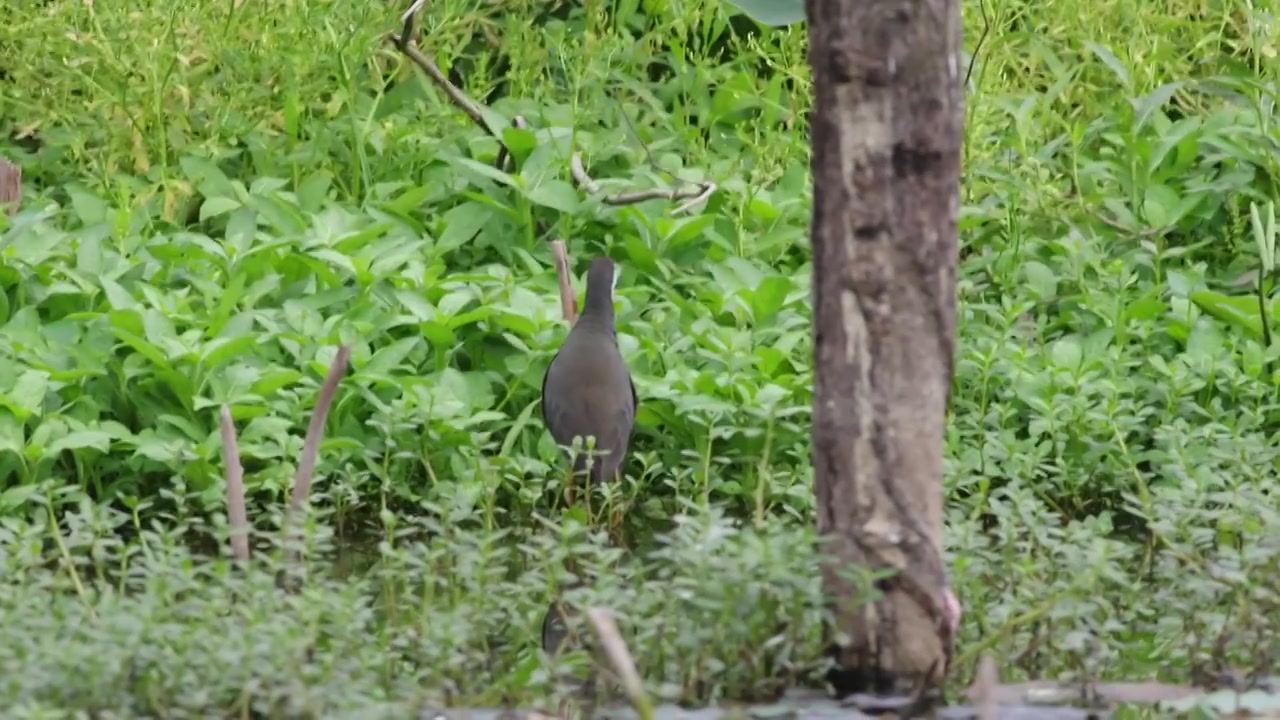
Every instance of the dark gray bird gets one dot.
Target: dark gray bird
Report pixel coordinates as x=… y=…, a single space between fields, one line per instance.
x=587 y=389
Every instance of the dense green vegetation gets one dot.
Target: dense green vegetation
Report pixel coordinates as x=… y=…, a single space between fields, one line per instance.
x=218 y=194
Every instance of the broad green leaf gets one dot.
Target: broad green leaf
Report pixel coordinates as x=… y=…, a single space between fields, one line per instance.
x=314 y=190
x=420 y=307
x=438 y=334
x=520 y=142
x=1161 y=205
x=117 y=296
x=555 y=194
x=1067 y=354
x=17 y=496
x=80 y=439
x=1112 y=62
x=242 y=230
x=1041 y=279
x=26 y=398
x=208 y=177
x=89 y=208
x=462 y=223
x=1238 y=310
x=390 y=357
x=1205 y=342
x=220 y=350
x=351 y=243
x=408 y=201
x=142 y=347
x=768 y=297
x=773 y=13
x=12 y=436
x=1144 y=107
x=474 y=168
x=279 y=214
x=686 y=230
x=215 y=206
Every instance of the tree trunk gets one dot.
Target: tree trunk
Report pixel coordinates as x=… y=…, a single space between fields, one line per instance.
x=10 y=187
x=887 y=130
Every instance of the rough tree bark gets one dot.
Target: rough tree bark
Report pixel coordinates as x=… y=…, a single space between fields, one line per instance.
x=886 y=130
x=10 y=186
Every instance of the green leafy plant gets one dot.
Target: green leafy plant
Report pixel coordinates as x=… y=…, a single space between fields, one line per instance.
x=219 y=197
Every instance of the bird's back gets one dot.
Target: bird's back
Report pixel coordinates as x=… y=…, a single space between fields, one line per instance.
x=588 y=392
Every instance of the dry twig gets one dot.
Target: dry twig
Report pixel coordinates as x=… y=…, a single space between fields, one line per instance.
x=983 y=691
x=615 y=648
x=695 y=195
x=568 y=301
x=315 y=430
x=403 y=41
x=237 y=517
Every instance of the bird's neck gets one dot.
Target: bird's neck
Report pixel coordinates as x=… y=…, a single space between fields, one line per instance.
x=599 y=322
x=597 y=310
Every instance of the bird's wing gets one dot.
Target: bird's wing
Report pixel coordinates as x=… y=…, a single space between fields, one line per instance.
x=545 y=374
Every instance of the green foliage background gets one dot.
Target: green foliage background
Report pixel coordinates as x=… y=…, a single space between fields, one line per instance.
x=221 y=193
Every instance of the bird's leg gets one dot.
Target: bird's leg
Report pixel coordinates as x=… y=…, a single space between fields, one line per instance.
x=570 y=486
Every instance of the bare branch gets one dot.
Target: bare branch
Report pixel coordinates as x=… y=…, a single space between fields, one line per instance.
x=983 y=691
x=695 y=195
x=315 y=430
x=237 y=517
x=568 y=301
x=404 y=43
x=615 y=648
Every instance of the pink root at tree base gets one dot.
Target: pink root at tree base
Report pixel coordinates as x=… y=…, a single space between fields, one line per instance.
x=952 y=607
